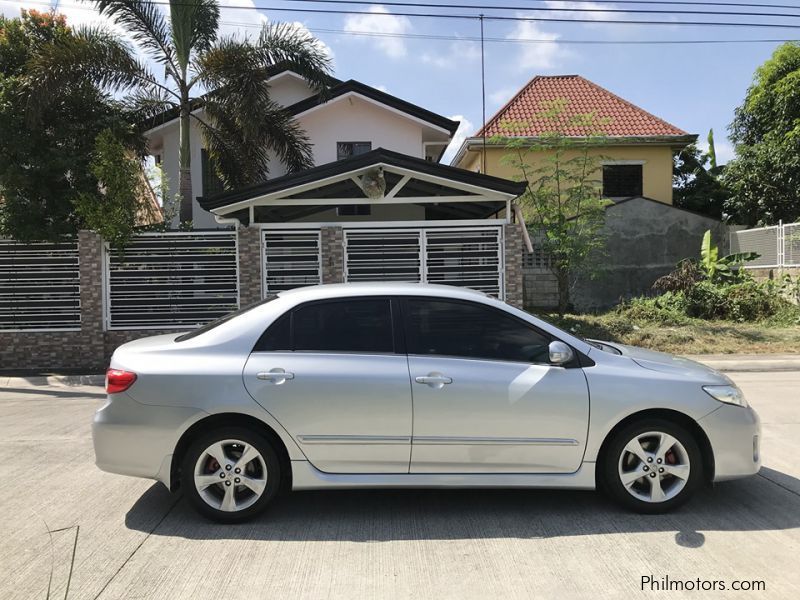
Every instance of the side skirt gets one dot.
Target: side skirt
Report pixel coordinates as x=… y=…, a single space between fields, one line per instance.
x=306 y=477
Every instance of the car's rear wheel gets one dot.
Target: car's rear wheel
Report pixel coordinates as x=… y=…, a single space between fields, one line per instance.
x=652 y=466
x=230 y=474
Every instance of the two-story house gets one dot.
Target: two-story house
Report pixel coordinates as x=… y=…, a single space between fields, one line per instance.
x=646 y=235
x=377 y=205
x=634 y=148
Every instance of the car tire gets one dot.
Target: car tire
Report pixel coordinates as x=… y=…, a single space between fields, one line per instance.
x=230 y=474
x=652 y=466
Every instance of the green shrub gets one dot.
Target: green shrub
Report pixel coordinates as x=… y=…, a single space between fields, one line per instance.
x=666 y=309
x=744 y=301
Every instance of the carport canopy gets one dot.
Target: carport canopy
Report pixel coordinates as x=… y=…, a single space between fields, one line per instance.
x=378 y=177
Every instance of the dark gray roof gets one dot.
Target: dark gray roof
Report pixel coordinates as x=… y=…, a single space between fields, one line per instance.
x=379 y=155
x=337 y=88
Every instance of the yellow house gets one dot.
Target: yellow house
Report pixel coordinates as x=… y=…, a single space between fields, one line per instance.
x=637 y=149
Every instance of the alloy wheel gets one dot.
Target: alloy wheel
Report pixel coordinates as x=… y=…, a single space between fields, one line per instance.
x=654 y=467
x=230 y=475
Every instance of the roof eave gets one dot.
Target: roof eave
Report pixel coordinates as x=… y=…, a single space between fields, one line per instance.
x=380 y=156
x=635 y=140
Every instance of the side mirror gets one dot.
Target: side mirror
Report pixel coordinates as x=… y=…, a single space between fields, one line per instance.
x=560 y=353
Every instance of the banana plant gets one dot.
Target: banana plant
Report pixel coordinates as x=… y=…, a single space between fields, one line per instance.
x=716 y=268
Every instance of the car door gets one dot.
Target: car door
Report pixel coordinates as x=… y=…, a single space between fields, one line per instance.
x=485 y=398
x=329 y=373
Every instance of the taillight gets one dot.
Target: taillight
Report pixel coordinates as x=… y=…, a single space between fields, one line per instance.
x=118 y=380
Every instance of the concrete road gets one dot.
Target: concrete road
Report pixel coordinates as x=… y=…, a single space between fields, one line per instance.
x=134 y=540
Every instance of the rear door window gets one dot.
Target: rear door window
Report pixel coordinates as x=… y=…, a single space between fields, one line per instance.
x=361 y=325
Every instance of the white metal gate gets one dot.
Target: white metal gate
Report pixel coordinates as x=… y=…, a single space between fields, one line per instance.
x=462 y=256
x=291 y=258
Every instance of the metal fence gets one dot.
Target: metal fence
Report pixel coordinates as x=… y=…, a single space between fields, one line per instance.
x=39 y=286
x=777 y=246
x=171 y=280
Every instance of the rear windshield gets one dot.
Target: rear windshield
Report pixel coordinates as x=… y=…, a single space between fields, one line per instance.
x=217 y=322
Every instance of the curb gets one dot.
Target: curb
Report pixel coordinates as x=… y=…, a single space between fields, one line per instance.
x=53 y=381
x=749 y=364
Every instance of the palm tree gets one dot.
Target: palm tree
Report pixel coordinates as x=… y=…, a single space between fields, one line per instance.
x=240 y=124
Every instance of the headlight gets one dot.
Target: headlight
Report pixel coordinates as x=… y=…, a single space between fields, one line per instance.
x=729 y=394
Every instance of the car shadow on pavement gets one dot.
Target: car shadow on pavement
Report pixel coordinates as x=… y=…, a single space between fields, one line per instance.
x=769 y=501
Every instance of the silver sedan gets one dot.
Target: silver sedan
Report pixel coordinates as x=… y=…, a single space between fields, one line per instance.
x=403 y=385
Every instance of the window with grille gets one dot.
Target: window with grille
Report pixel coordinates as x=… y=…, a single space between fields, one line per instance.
x=348 y=149
x=621 y=181
x=354 y=210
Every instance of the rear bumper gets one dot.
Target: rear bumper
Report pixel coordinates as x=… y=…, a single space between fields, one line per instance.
x=735 y=436
x=137 y=439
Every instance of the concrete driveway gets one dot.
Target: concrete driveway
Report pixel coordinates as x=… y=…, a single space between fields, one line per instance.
x=137 y=541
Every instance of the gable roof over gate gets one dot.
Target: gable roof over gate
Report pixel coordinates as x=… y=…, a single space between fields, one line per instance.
x=409 y=180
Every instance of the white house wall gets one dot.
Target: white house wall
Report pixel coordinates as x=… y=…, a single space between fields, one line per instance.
x=349 y=119
x=288 y=89
x=354 y=120
x=169 y=164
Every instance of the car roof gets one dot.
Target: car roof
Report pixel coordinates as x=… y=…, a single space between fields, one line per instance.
x=337 y=290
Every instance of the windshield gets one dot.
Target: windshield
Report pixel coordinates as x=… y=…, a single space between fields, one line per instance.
x=217 y=322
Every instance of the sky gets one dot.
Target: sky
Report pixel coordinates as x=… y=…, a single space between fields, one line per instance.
x=695 y=87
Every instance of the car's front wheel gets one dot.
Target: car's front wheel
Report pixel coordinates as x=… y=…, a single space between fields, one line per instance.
x=230 y=474
x=652 y=466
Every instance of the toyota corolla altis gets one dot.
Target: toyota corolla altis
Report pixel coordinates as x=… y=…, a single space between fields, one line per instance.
x=404 y=385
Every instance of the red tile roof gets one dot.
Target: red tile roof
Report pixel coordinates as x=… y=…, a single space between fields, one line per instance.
x=521 y=116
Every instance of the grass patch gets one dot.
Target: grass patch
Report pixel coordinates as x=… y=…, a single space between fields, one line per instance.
x=678 y=334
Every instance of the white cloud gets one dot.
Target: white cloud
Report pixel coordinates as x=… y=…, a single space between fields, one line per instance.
x=457 y=53
x=599 y=10
x=381 y=21
x=500 y=97
x=544 y=55
x=233 y=22
x=240 y=23
x=382 y=88
x=465 y=129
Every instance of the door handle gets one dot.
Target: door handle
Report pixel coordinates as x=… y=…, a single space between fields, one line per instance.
x=276 y=376
x=435 y=380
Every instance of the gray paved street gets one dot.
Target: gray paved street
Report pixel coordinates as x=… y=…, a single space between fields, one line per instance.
x=137 y=541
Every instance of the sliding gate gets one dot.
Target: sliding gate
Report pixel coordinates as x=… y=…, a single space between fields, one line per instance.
x=463 y=256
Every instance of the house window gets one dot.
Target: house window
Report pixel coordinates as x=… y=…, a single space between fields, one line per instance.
x=354 y=210
x=621 y=181
x=348 y=149
x=212 y=184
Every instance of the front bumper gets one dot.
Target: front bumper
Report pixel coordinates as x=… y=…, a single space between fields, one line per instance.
x=735 y=436
x=131 y=438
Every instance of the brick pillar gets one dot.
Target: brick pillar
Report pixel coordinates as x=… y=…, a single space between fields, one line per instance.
x=332 y=251
x=250 y=265
x=513 y=248
x=90 y=253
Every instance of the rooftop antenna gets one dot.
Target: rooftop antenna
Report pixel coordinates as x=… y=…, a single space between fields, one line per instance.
x=483 y=100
